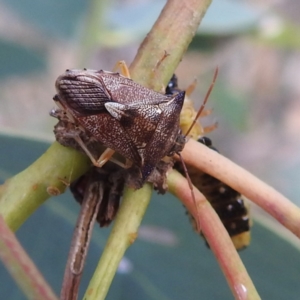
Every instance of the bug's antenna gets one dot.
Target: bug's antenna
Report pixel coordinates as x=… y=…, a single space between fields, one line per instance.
x=191 y=188
x=204 y=101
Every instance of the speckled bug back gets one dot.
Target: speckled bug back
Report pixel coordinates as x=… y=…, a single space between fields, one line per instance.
x=140 y=124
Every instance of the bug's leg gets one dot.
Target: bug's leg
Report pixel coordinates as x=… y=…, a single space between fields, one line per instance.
x=205 y=113
x=210 y=128
x=125 y=165
x=104 y=157
x=121 y=65
x=189 y=90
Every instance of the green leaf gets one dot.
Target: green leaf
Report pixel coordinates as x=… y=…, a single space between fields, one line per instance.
x=18 y=60
x=56 y=18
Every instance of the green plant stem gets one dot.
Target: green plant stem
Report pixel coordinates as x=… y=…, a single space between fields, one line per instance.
x=171 y=34
x=218 y=166
x=123 y=234
x=47 y=176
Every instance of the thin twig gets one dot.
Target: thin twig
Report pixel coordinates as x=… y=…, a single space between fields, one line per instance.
x=211 y=162
x=21 y=267
x=171 y=34
x=81 y=239
x=216 y=235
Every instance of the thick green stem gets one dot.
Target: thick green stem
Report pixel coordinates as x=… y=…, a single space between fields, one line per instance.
x=171 y=35
x=123 y=234
x=47 y=176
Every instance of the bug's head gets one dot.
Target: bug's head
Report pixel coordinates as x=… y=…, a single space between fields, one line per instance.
x=81 y=91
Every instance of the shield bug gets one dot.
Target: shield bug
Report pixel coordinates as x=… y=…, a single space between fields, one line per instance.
x=227 y=202
x=99 y=108
x=140 y=124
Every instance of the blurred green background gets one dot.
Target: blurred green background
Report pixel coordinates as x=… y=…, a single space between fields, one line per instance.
x=256 y=103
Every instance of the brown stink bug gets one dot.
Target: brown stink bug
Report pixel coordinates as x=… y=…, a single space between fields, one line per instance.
x=140 y=124
x=100 y=108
